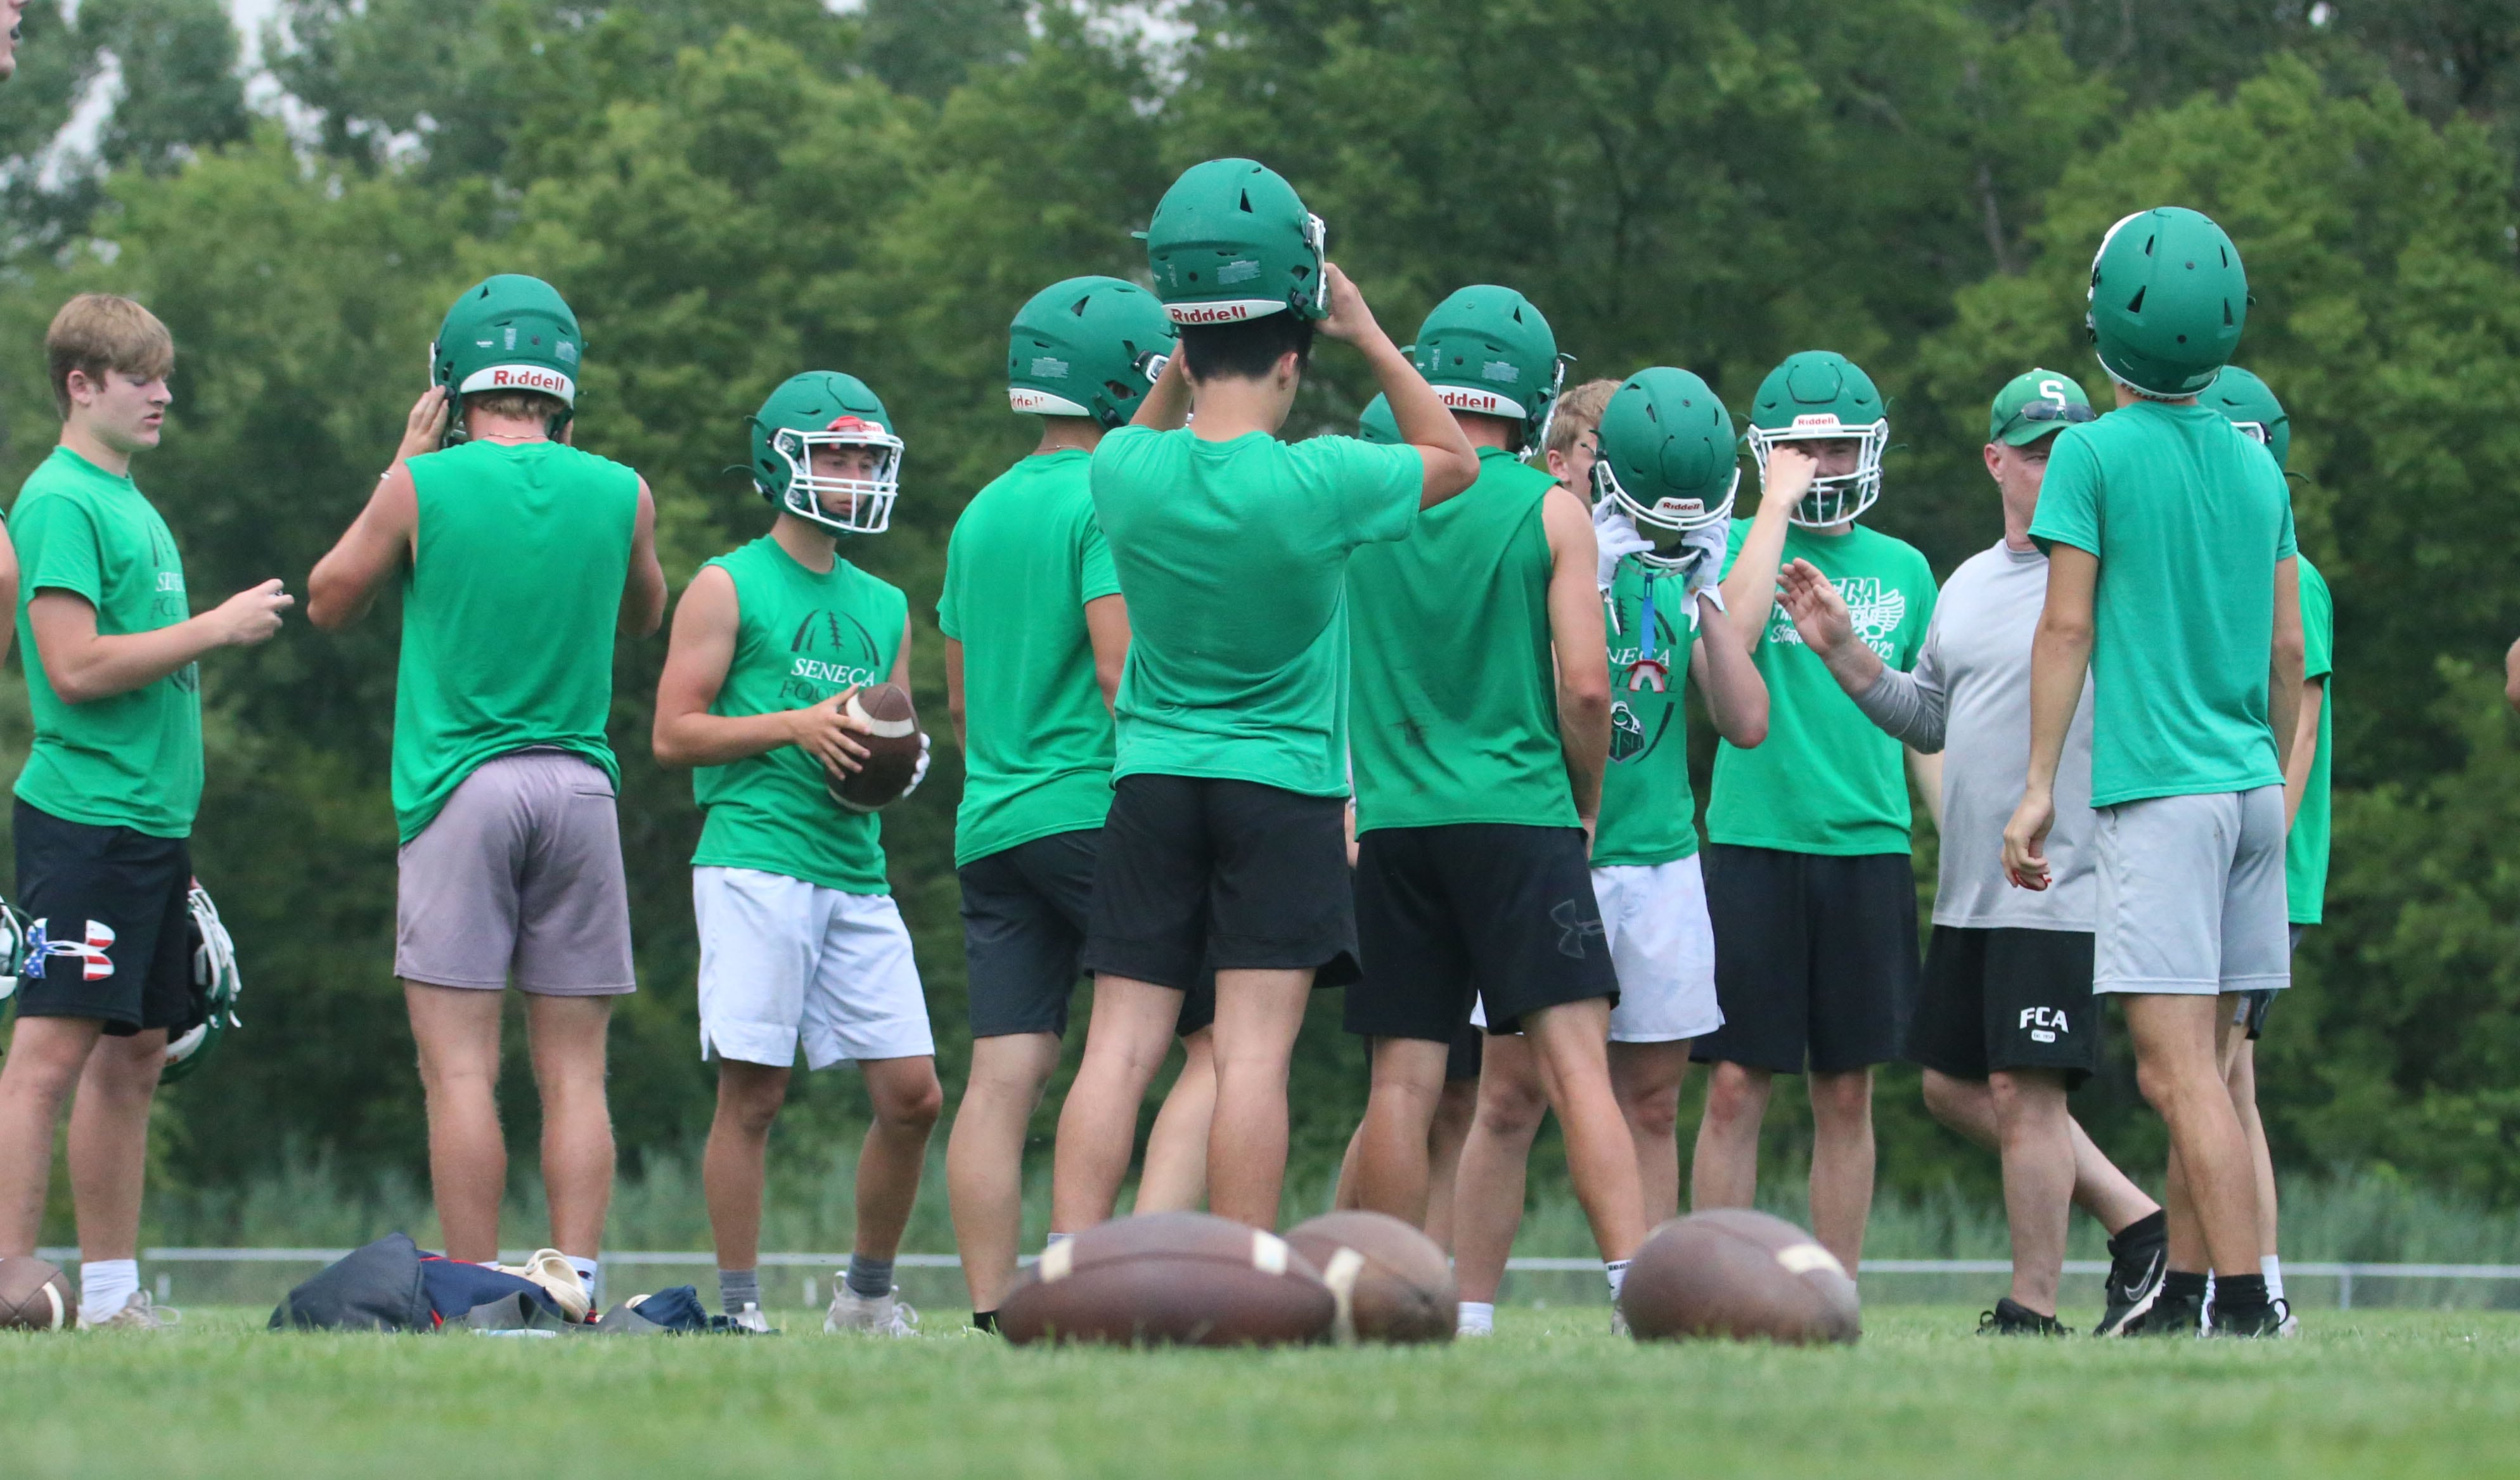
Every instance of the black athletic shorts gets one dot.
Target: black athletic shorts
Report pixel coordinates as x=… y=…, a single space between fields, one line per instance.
x=1486 y=909
x=1200 y=874
x=1815 y=958
x=1025 y=912
x=111 y=935
x=2252 y=1011
x=2006 y=999
x=1469 y=1052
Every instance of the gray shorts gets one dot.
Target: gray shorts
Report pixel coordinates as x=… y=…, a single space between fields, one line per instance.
x=2191 y=895
x=519 y=878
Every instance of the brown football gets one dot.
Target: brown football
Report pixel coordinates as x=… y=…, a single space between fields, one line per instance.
x=1735 y=1272
x=1170 y=1280
x=35 y=1296
x=1392 y=1282
x=891 y=742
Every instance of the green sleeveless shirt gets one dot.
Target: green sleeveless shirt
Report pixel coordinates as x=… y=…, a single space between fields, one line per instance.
x=801 y=638
x=509 y=613
x=1649 y=814
x=1453 y=698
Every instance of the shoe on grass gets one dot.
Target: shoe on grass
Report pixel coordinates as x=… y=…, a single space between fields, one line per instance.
x=138 y=1314
x=2010 y=1318
x=2135 y=1272
x=885 y=1315
x=2168 y=1316
x=748 y=1320
x=2269 y=1321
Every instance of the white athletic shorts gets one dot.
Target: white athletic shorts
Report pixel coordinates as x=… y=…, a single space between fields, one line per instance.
x=784 y=961
x=2191 y=895
x=1662 y=945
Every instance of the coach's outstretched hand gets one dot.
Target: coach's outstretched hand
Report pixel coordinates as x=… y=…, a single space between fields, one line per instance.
x=251 y=616
x=2025 y=841
x=1821 y=621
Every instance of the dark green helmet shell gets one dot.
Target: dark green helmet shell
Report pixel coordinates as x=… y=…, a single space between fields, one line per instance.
x=2251 y=406
x=507 y=332
x=1821 y=395
x=826 y=408
x=1489 y=350
x=1377 y=424
x=1231 y=240
x=2168 y=300
x=1667 y=452
x=1087 y=347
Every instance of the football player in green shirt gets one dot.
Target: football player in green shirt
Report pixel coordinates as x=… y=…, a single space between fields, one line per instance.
x=2193 y=645
x=107 y=800
x=802 y=945
x=1226 y=836
x=1808 y=873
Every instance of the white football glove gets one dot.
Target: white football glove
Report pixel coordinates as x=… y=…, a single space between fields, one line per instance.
x=1618 y=539
x=1705 y=566
x=917 y=773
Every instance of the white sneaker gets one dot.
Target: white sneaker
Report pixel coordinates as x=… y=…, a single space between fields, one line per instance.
x=885 y=1315
x=139 y=1313
x=550 y=1268
x=1469 y=1333
x=1618 y=1322
x=750 y=1319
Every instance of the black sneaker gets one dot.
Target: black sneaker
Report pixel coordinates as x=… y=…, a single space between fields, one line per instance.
x=2268 y=1321
x=2010 y=1318
x=2167 y=1316
x=2135 y=1272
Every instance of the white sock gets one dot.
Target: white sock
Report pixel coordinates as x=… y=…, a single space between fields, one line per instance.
x=590 y=1273
x=1617 y=1270
x=1478 y=1317
x=2272 y=1268
x=106 y=1286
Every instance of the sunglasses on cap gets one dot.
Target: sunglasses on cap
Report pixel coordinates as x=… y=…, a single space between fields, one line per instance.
x=2050 y=410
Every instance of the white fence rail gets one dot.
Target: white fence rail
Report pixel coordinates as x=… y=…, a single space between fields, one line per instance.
x=2344 y=1273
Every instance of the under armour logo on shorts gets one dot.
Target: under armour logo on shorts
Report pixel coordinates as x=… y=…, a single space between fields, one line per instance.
x=96 y=965
x=1573 y=931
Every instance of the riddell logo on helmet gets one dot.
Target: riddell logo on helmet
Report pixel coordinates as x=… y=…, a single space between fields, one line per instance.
x=1210 y=313
x=1484 y=402
x=522 y=377
x=1827 y=420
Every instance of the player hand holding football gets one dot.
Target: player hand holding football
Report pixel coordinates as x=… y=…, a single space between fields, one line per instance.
x=829 y=732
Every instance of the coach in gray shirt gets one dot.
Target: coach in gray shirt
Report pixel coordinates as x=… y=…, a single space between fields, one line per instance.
x=2005 y=1023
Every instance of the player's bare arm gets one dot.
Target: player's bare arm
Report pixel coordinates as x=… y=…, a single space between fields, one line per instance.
x=8 y=587
x=1451 y=463
x=85 y=665
x=1166 y=404
x=1737 y=696
x=697 y=658
x=2283 y=677
x=2060 y=657
x=1576 y=637
x=1106 y=627
x=2512 y=676
x=954 y=692
x=346 y=580
x=1750 y=591
x=642 y=592
x=2305 y=748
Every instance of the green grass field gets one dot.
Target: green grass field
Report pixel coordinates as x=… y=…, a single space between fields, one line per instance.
x=2394 y=1393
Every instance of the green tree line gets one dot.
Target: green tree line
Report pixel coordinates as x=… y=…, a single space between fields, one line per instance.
x=732 y=190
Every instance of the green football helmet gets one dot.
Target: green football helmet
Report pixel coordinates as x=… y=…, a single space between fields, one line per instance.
x=1379 y=425
x=2167 y=302
x=824 y=408
x=1231 y=240
x=216 y=986
x=2253 y=408
x=1488 y=349
x=1668 y=459
x=1087 y=347
x=507 y=332
x=1821 y=395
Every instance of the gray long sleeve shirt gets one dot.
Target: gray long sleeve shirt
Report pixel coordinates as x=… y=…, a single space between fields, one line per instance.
x=1969 y=697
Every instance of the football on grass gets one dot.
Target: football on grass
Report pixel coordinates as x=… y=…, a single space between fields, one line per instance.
x=35 y=1296
x=891 y=741
x=1170 y=1280
x=1391 y=1282
x=1733 y=1273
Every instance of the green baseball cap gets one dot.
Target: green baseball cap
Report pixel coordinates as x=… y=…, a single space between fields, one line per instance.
x=2034 y=404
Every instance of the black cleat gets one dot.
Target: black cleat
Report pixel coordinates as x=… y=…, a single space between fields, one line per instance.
x=2135 y=1272
x=2167 y=1316
x=2267 y=1321
x=2010 y=1318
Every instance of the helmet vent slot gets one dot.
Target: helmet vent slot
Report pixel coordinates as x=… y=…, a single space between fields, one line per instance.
x=2147 y=245
x=1078 y=307
x=1247 y=204
x=2226 y=313
x=2136 y=303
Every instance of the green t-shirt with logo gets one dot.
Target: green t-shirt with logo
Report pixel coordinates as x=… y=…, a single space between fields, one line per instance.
x=2189 y=519
x=1024 y=559
x=2306 y=850
x=801 y=636
x=1827 y=780
x=1452 y=695
x=1234 y=557
x=509 y=613
x=1649 y=813
x=133 y=759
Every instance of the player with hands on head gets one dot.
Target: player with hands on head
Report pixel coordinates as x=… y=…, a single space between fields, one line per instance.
x=1225 y=840
x=1657 y=458
x=2005 y=1024
x=107 y=801
x=521 y=560
x=802 y=945
x=2193 y=647
x=1808 y=869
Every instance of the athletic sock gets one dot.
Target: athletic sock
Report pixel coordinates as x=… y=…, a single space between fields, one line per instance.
x=1617 y=1270
x=1055 y=1240
x=590 y=1273
x=738 y=1288
x=870 y=1277
x=2180 y=1284
x=1478 y=1317
x=2270 y=1269
x=985 y=1320
x=2240 y=1295
x=106 y=1286
x=2151 y=1228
